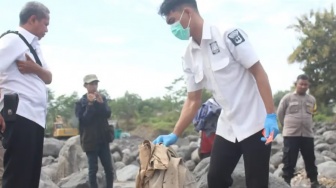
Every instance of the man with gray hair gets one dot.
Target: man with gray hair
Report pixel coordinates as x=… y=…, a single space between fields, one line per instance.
x=23 y=102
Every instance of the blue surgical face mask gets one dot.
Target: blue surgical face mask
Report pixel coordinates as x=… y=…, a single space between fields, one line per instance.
x=180 y=32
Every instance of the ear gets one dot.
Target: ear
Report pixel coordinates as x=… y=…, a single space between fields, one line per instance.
x=32 y=19
x=188 y=11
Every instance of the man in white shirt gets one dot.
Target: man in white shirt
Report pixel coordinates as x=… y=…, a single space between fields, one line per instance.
x=24 y=73
x=226 y=64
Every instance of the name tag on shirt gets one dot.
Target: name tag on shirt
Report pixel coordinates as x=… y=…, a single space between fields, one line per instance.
x=214 y=48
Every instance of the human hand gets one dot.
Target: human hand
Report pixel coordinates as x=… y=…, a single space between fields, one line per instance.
x=99 y=97
x=271 y=125
x=28 y=66
x=2 y=124
x=91 y=97
x=167 y=140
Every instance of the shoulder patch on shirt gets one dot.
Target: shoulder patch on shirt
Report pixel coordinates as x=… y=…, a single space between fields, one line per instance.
x=214 y=48
x=236 y=38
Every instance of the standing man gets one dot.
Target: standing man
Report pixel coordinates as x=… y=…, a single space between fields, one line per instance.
x=226 y=64
x=93 y=113
x=23 y=78
x=296 y=116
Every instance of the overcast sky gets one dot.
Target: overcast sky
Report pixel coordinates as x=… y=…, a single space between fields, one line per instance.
x=130 y=47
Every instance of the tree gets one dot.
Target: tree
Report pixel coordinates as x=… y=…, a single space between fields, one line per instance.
x=126 y=107
x=177 y=93
x=105 y=93
x=317 y=52
x=278 y=96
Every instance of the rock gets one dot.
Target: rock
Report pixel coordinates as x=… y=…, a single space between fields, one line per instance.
x=201 y=168
x=185 y=152
x=329 y=154
x=71 y=159
x=238 y=176
x=274 y=182
x=276 y=159
x=119 y=165
x=80 y=180
x=182 y=142
x=124 y=184
x=271 y=168
x=193 y=138
x=327 y=169
x=320 y=131
x=195 y=156
x=46 y=182
x=114 y=148
x=51 y=171
x=128 y=173
x=275 y=149
x=333 y=148
x=116 y=156
x=330 y=137
x=193 y=146
x=322 y=147
x=175 y=147
x=128 y=158
x=47 y=160
x=52 y=147
x=278 y=172
x=300 y=163
x=190 y=165
x=278 y=140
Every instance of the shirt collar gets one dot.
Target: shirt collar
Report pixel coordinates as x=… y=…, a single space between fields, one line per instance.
x=29 y=36
x=206 y=35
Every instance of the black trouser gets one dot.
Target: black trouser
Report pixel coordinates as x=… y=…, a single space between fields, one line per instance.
x=225 y=156
x=103 y=152
x=292 y=146
x=23 y=140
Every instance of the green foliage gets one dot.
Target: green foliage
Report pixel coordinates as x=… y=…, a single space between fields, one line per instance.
x=278 y=96
x=64 y=106
x=317 y=52
x=322 y=118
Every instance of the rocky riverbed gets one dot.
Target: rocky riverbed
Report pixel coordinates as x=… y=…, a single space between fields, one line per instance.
x=65 y=164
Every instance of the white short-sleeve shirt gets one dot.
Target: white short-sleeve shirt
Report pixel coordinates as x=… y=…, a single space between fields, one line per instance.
x=31 y=89
x=220 y=64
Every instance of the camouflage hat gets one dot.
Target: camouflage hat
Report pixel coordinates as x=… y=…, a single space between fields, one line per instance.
x=90 y=78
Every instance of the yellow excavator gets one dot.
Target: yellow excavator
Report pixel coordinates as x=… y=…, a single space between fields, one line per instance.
x=62 y=130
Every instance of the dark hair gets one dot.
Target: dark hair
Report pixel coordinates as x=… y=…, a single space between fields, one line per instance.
x=171 y=5
x=302 y=77
x=33 y=8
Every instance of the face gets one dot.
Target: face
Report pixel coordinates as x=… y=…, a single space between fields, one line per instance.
x=39 y=26
x=302 y=86
x=175 y=16
x=92 y=87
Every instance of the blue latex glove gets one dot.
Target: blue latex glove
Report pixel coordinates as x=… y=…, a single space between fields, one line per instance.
x=271 y=125
x=167 y=140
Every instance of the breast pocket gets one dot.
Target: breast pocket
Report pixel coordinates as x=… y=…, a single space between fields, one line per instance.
x=309 y=108
x=219 y=61
x=294 y=107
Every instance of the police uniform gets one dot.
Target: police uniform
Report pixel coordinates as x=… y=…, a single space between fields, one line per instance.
x=295 y=113
x=220 y=64
x=24 y=136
